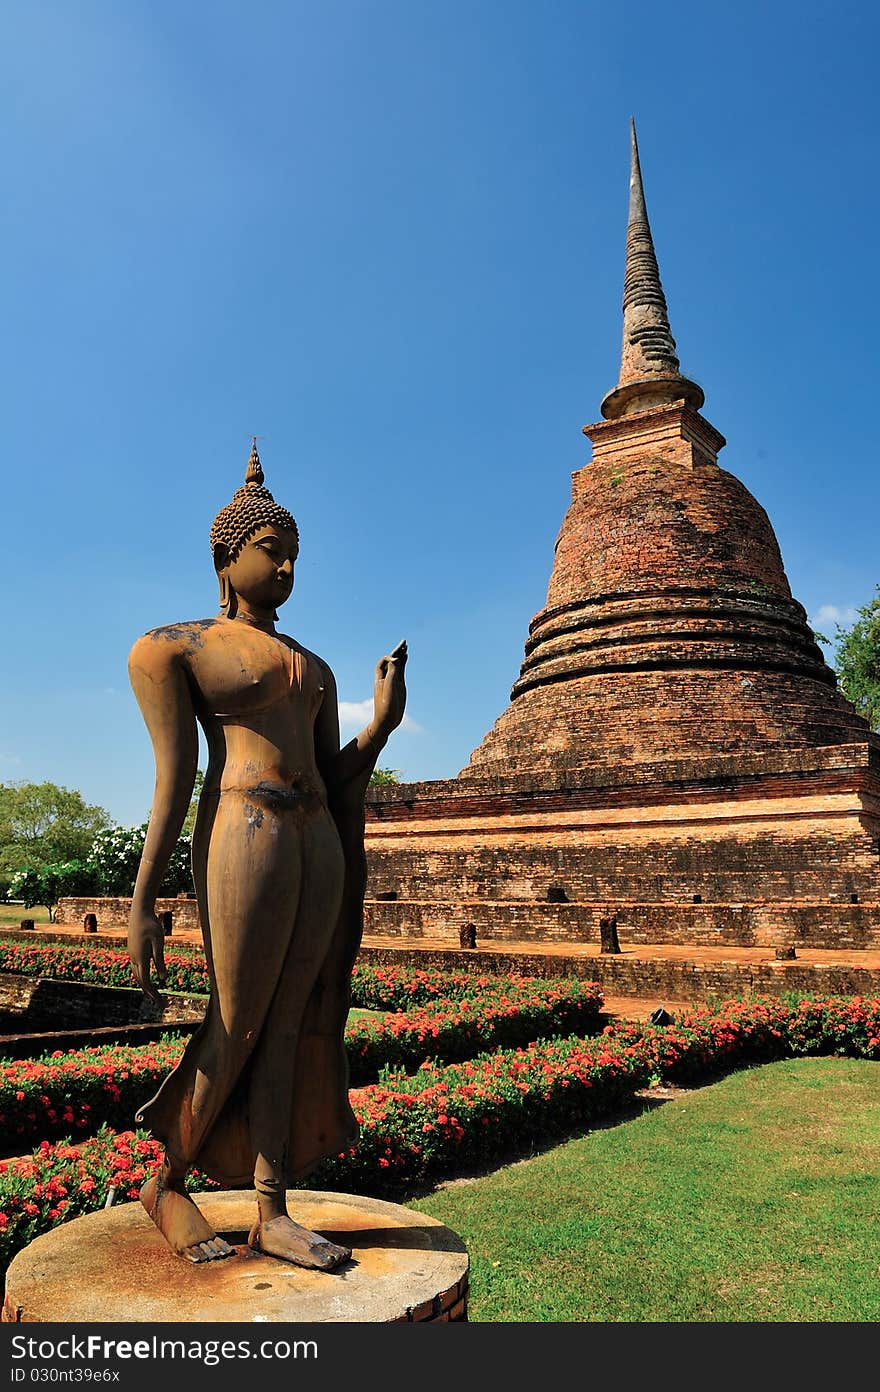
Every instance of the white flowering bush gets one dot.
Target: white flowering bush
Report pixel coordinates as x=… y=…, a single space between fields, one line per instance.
x=116 y=855
x=46 y=884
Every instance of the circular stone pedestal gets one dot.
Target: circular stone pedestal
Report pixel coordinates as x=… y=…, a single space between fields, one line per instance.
x=114 y=1265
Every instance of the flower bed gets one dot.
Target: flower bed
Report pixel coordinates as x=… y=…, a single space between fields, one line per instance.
x=511 y=1012
x=64 y=1180
x=373 y=988
x=71 y=1094
x=705 y=1039
x=424 y=1126
x=66 y=1094
x=400 y=988
x=428 y=1125
x=98 y=966
x=411 y=1129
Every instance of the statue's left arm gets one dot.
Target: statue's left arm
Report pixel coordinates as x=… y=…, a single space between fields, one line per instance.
x=356 y=760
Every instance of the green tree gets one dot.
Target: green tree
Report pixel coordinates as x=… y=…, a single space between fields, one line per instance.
x=46 y=884
x=28 y=886
x=44 y=824
x=857 y=659
x=189 y=820
x=384 y=778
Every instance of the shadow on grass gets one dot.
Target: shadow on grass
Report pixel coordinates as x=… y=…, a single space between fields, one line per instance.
x=642 y=1104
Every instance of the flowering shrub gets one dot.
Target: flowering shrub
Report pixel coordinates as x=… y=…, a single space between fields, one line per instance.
x=836 y=1025
x=68 y=1093
x=99 y=966
x=372 y=987
x=702 y=1040
x=62 y=1181
x=707 y=1039
x=418 y=1127
x=400 y=988
x=65 y=1094
x=427 y=1125
x=509 y=1012
x=411 y=1129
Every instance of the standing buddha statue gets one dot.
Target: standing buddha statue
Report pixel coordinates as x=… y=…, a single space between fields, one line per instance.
x=260 y=1095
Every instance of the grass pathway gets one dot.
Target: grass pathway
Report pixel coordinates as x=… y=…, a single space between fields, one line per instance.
x=754 y=1199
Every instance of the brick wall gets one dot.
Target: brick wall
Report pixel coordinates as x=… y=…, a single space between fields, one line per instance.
x=43 y=1003
x=654 y=979
x=525 y=865
x=114 y=912
x=749 y=849
x=715 y=852
x=832 y=926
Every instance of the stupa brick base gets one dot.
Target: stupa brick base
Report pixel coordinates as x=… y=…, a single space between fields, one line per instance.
x=769 y=850
x=675 y=748
x=114 y=1266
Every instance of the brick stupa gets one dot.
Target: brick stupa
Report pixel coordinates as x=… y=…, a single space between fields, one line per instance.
x=675 y=747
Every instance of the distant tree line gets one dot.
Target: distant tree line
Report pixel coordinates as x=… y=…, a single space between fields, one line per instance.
x=54 y=844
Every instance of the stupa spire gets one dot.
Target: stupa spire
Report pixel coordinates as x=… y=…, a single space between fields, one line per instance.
x=649 y=367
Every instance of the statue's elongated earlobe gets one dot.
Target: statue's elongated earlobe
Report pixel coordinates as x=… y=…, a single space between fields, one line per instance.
x=228 y=597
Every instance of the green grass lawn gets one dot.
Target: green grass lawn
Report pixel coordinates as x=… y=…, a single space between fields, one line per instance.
x=755 y=1199
x=12 y=914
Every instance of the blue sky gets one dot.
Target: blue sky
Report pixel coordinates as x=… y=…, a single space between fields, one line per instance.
x=388 y=238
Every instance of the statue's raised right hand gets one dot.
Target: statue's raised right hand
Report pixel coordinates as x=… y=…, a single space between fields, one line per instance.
x=146 y=944
x=389 y=690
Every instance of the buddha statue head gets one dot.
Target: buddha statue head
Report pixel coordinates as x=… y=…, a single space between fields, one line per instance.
x=254 y=542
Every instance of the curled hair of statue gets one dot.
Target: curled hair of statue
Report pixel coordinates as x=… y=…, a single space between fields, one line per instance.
x=251 y=508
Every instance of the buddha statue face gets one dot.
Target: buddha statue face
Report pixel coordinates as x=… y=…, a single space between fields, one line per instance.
x=261 y=575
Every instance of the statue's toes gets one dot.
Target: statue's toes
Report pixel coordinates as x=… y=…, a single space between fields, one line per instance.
x=327 y=1255
x=208 y=1251
x=220 y=1248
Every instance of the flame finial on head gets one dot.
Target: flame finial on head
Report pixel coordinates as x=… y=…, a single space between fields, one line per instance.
x=254 y=472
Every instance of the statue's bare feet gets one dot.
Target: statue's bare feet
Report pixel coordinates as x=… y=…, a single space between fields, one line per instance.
x=180 y=1222
x=281 y=1237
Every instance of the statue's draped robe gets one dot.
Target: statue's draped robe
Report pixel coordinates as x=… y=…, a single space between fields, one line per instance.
x=322 y=1123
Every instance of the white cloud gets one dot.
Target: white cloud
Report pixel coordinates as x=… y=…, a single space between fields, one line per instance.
x=353 y=715
x=828 y=616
